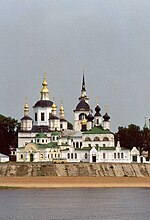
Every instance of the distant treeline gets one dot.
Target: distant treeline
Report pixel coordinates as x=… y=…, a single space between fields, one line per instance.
x=8 y=134
x=133 y=136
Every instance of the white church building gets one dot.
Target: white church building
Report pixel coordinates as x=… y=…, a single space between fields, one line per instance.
x=46 y=136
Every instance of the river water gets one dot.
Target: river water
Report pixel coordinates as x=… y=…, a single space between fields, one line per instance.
x=74 y=204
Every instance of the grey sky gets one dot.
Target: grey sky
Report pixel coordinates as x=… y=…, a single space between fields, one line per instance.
x=110 y=39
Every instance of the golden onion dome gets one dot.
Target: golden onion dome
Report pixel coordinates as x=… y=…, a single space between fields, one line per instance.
x=44 y=84
x=83 y=122
x=26 y=107
x=61 y=108
x=54 y=107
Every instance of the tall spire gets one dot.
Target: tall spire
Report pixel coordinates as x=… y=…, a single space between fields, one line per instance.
x=145 y=124
x=83 y=83
x=83 y=90
x=26 y=108
x=44 y=91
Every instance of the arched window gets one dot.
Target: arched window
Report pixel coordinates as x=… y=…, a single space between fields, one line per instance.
x=87 y=139
x=96 y=139
x=105 y=139
x=75 y=155
x=85 y=155
x=114 y=155
x=81 y=116
x=31 y=157
x=71 y=155
x=122 y=155
x=21 y=156
x=77 y=145
x=41 y=156
x=68 y=156
x=118 y=155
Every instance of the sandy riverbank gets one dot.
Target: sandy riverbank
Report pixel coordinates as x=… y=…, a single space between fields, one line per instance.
x=68 y=182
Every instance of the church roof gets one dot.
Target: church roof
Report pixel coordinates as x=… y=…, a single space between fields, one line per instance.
x=3 y=155
x=26 y=118
x=43 y=103
x=53 y=117
x=82 y=106
x=97 y=130
x=38 y=129
x=55 y=133
x=49 y=145
x=41 y=135
x=62 y=119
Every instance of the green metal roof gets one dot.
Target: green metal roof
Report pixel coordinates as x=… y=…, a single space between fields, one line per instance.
x=49 y=145
x=55 y=133
x=84 y=148
x=41 y=135
x=98 y=130
x=106 y=148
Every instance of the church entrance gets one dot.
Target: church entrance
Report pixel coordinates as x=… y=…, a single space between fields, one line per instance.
x=31 y=157
x=134 y=159
x=93 y=159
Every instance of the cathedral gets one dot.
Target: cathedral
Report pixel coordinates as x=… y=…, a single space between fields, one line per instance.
x=48 y=136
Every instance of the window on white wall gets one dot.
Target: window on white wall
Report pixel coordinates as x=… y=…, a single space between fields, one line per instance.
x=122 y=156
x=42 y=116
x=104 y=155
x=77 y=145
x=35 y=116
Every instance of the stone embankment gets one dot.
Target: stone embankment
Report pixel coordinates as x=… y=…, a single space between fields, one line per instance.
x=74 y=169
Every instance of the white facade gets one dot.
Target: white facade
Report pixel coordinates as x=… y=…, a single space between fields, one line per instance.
x=4 y=158
x=42 y=115
x=48 y=137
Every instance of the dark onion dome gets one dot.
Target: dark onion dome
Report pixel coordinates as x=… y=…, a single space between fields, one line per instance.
x=82 y=106
x=90 y=117
x=43 y=103
x=106 y=117
x=97 y=109
x=26 y=118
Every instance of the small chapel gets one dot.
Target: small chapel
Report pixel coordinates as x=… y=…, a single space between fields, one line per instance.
x=48 y=136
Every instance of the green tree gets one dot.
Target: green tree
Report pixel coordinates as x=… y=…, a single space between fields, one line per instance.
x=8 y=133
x=146 y=140
x=130 y=137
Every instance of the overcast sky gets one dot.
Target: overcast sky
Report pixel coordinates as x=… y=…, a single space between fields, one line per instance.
x=109 y=39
